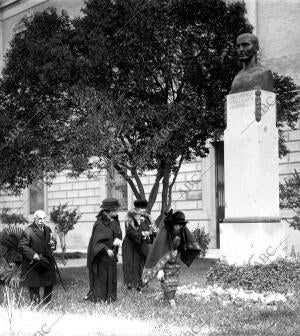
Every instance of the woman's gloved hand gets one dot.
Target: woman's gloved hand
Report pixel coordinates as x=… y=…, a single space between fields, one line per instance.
x=160 y=275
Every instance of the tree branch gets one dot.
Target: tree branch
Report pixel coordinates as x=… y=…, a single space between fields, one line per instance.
x=164 y=195
x=154 y=190
x=139 y=184
x=128 y=179
x=173 y=182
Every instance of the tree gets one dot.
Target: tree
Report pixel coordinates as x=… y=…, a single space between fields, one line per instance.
x=290 y=198
x=64 y=220
x=137 y=84
x=12 y=219
x=287 y=105
x=160 y=61
x=34 y=111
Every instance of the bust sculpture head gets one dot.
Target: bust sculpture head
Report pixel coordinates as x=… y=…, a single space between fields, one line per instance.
x=253 y=75
x=247 y=48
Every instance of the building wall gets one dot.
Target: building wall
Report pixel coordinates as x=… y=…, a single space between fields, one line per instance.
x=289 y=164
x=278 y=31
x=84 y=194
x=277 y=26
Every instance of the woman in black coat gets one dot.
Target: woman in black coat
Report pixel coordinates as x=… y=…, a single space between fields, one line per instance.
x=102 y=253
x=38 y=268
x=139 y=235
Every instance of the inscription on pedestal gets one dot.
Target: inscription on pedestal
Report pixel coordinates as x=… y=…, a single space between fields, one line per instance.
x=239 y=100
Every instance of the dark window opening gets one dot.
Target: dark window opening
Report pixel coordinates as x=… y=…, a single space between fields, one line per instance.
x=36 y=196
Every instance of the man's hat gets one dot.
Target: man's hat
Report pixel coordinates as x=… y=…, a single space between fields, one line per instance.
x=140 y=204
x=177 y=217
x=110 y=204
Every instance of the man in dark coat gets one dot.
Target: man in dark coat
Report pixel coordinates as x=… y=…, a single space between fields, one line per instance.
x=102 y=253
x=139 y=235
x=38 y=268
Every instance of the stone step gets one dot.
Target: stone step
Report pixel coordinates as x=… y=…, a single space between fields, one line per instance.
x=213 y=254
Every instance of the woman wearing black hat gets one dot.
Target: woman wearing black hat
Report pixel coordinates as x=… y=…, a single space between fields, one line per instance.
x=102 y=253
x=139 y=234
x=173 y=242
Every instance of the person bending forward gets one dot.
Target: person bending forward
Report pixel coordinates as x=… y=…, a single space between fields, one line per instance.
x=173 y=243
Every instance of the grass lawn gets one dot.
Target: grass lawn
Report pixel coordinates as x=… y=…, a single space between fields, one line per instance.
x=145 y=314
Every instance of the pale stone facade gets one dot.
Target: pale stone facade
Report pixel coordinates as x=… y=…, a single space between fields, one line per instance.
x=277 y=27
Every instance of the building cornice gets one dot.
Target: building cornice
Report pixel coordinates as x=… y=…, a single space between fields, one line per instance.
x=17 y=8
x=5 y=3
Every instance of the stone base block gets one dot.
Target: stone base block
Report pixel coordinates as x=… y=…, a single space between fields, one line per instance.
x=256 y=242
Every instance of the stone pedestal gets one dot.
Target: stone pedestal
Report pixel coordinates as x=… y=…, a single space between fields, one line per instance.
x=252 y=223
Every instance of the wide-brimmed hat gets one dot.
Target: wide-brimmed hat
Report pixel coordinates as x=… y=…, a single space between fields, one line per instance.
x=177 y=217
x=140 y=203
x=110 y=204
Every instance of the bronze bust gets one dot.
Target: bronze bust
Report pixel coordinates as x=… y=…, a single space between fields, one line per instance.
x=253 y=75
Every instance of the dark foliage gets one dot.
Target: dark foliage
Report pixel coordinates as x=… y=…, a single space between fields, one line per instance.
x=10 y=257
x=202 y=238
x=279 y=276
x=290 y=198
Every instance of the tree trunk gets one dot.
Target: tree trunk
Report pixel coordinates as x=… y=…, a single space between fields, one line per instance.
x=172 y=184
x=139 y=191
x=164 y=196
x=154 y=190
x=62 y=239
x=139 y=184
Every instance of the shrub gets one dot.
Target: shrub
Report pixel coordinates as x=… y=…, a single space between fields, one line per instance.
x=202 y=238
x=280 y=275
x=64 y=221
x=12 y=219
x=290 y=198
x=10 y=257
x=70 y=255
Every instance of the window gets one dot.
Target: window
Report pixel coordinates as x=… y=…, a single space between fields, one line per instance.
x=117 y=187
x=36 y=196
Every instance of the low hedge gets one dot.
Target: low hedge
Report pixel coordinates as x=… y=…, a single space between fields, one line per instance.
x=279 y=276
x=70 y=255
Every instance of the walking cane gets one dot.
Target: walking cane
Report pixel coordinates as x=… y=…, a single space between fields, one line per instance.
x=58 y=272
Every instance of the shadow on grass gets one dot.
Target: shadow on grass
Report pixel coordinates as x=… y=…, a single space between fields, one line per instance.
x=195 y=273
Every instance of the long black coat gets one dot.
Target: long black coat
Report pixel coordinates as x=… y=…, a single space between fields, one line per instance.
x=102 y=268
x=34 y=241
x=135 y=250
